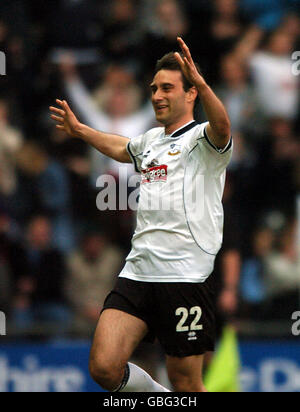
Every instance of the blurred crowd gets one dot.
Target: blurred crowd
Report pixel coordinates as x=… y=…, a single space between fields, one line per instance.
x=60 y=255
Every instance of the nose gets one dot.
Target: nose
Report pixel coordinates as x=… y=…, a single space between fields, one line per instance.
x=156 y=97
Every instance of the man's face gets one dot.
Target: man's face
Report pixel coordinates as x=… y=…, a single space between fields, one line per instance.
x=170 y=101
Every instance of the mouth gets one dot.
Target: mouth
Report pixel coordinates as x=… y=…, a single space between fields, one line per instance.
x=160 y=108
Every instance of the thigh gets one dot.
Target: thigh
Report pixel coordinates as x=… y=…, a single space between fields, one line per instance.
x=185 y=374
x=116 y=336
x=134 y=298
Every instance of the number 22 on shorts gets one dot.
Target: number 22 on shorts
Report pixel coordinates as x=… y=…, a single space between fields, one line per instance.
x=184 y=313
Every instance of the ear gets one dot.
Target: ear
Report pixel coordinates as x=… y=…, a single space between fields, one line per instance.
x=192 y=94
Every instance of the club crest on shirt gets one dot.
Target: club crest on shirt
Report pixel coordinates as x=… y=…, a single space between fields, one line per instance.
x=146 y=154
x=174 y=149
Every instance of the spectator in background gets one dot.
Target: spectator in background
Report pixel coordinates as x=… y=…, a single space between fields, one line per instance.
x=115 y=105
x=236 y=92
x=265 y=18
x=291 y=25
x=253 y=273
x=275 y=86
x=164 y=21
x=5 y=274
x=268 y=14
x=5 y=289
x=122 y=31
x=265 y=14
x=216 y=27
x=10 y=142
x=6 y=83
x=283 y=275
x=3 y=35
x=74 y=156
x=39 y=271
x=225 y=28
x=14 y=39
x=73 y=26
x=92 y=270
x=228 y=262
x=17 y=40
x=226 y=274
x=115 y=35
x=44 y=186
x=278 y=157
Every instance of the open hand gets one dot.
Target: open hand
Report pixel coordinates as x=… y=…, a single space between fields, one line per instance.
x=188 y=66
x=65 y=118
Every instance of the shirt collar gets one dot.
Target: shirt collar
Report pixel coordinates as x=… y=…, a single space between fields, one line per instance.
x=183 y=129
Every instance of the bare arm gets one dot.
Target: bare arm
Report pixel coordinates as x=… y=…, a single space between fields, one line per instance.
x=111 y=145
x=80 y=97
x=218 y=129
x=249 y=43
x=231 y=267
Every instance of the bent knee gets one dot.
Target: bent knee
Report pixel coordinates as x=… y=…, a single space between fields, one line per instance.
x=106 y=373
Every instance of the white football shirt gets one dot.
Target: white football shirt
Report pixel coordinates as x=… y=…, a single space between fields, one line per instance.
x=180 y=214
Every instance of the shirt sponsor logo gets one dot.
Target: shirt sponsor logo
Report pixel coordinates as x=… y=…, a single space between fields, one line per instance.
x=155 y=174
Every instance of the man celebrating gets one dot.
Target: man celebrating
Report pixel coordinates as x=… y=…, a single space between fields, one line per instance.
x=164 y=289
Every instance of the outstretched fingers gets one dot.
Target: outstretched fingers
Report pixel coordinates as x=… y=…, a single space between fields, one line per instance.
x=57 y=119
x=185 y=65
x=58 y=115
x=60 y=102
x=185 y=50
x=57 y=111
x=64 y=105
x=179 y=59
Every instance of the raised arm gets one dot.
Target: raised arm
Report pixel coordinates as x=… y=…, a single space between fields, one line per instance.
x=111 y=145
x=218 y=129
x=80 y=97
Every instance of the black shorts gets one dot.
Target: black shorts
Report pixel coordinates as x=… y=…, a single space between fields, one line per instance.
x=180 y=315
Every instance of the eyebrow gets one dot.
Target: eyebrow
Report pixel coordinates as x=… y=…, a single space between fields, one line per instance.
x=153 y=85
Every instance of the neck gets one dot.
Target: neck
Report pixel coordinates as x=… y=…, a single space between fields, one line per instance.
x=169 y=129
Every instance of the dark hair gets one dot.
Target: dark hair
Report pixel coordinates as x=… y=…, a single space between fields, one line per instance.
x=169 y=62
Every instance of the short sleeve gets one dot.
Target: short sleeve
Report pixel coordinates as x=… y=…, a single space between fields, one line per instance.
x=216 y=159
x=135 y=148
